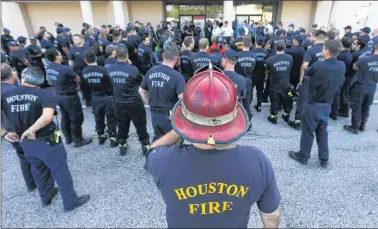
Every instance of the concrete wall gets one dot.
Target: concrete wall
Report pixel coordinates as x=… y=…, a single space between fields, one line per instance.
x=152 y=11
x=100 y=13
x=298 y=13
x=372 y=19
x=47 y=13
x=13 y=19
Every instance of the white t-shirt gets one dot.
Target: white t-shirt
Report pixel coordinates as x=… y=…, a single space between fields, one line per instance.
x=246 y=30
x=228 y=31
x=216 y=31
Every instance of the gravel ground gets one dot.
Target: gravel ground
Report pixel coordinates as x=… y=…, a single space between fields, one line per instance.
x=124 y=195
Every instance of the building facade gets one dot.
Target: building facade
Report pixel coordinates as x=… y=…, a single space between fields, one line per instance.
x=25 y=17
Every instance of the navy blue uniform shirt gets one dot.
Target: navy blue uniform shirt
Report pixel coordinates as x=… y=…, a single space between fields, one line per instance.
x=33 y=51
x=46 y=44
x=346 y=57
x=246 y=63
x=4 y=122
x=201 y=59
x=186 y=62
x=314 y=54
x=97 y=79
x=213 y=188
x=17 y=59
x=125 y=79
x=239 y=81
x=365 y=37
x=259 y=71
x=103 y=42
x=372 y=43
x=133 y=42
x=76 y=54
x=368 y=70
x=297 y=52
x=60 y=42
x=163 y=84
x=237 y=44
x=22 y=107
x=62 y=78
x=326 y=78
x=110 y=60
x=278 y=68
x=144 y=56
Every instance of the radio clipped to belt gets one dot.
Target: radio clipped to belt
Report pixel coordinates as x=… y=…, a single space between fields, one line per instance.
x=57 y=134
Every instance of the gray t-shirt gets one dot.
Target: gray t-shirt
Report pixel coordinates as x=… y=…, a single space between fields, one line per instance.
x=213 y=188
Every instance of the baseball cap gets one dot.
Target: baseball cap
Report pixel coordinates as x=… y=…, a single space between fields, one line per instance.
x=302 y=30
x=66 y=29
x=241 y=31
x=348 y=27
x=32 y=38
x=299 y=38
x=366 y=29
x=12 y=43
x=129 y=29
x=230 y=54
x=291 y=25
x=21 y=39
x=260 y=38
x=59 y=30
x=5 y=30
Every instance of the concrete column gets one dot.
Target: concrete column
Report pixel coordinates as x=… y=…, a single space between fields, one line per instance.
x=228 y=11
x=322 y=13
x=86 y=11
x=120 y=13
x=13 y=19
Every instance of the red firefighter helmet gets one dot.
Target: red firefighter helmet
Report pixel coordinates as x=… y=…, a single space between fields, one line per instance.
x=209 y=112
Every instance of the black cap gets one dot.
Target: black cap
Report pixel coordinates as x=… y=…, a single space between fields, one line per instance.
x=348 y=27
x=299 y=38
x=230 y=54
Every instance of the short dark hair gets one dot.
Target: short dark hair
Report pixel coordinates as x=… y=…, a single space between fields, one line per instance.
x=331 y=35
x=170 y=52
x=247 y=42
x=90 y=56
x=361 y=42
x=260 y=42
x=346 y=42
x=320 y=34
x=188 y=41
x=333 y=46
x=280 y=45
x=122 y=52
x=144 y=36
x=6 y=71
x=51 y=54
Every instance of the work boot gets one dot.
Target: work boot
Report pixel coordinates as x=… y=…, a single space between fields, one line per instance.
x=82 y=141
x=54 y=196
x=286 y=117
x=333 y=117
x=265 y=100
x=145 y=145
x=68 y=139
x=81 y=201
x=101 y=139
x=323 y=163
x=363 y=126
x=113 y=142
x=249 y=126
x=295 y=156
x=343 y=114
x=351 y=129
x=296 y=124
x=272 y=119
x=123 y=149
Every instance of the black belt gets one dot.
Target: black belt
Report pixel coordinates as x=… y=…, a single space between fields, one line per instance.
x=68 y=93
x=99 y=93
x=320 y=104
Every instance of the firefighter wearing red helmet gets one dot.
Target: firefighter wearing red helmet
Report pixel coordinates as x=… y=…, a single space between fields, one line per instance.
x=213 y=182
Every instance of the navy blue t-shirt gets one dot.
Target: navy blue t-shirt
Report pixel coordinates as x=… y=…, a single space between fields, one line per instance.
x=46 y=44
x=125 y=79
x=237 y=45
x=186 y=62
x=62 y=78
x=278 y=68
x=246 y=63
x=76 y=54
x=22 y=106
x=17 y=59
x=103 y=42
x=4 y=122
x=365 y=37
x=144 y=56
x=372 y=43
x=60 y=42
x=201 y=59
x=239 y=81
x=97 y=79
x=368 y=70
x=110 y=60
x=297 y=52
x=314 y=54
x=346 y=57
x=163 y=84
x=325 y=80
x=213 y=188
x=259 y=71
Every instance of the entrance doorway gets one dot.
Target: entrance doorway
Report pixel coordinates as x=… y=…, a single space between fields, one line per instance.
x=198 y=20
x=240 y=19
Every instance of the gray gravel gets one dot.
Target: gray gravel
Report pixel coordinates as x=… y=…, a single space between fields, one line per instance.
x=124 y=195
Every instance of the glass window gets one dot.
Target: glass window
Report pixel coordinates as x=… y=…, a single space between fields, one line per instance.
x=249 y=9
x=214 y=12
x=267 y=13
x=172 y=12
x=192 y=9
